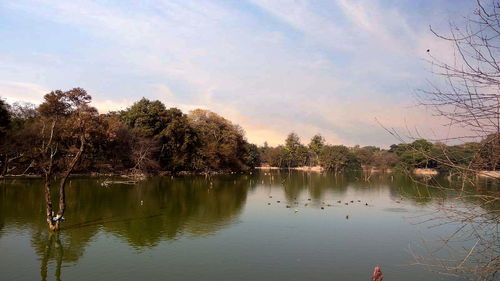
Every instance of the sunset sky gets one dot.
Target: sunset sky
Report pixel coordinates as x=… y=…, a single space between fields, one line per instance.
x=329 y=67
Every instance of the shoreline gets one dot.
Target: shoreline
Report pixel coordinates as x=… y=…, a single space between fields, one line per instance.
x=316 y=169
x=489 y=174
x=425 y=172
x=300 y=168
x=135 y=176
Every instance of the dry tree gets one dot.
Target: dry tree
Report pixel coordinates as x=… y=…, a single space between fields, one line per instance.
x=467 y=94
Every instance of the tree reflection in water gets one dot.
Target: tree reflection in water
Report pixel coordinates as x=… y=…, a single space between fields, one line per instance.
x=164 y=208
x=52 y=250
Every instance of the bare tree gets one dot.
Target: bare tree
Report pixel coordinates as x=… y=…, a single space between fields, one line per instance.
x=468 y=96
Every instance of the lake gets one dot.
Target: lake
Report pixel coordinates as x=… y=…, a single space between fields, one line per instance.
x=227 y=227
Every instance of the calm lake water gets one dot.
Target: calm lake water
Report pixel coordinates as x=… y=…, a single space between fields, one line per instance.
x=224 y=228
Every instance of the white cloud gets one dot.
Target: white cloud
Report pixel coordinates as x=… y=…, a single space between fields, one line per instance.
x=351 y=62
x=16 y=91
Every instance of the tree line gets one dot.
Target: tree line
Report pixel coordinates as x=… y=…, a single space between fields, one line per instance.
x=66 y=131
x=146 y=137
x=421 y=153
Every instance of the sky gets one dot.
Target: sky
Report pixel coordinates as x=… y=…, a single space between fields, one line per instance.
x=344 y=69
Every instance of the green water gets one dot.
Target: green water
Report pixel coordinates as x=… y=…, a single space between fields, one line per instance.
x=219 y=228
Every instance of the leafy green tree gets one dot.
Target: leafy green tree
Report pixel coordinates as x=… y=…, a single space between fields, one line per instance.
x=223 y=145
x=295 y=153
x=420 y=150
x=292 y=141
x=302 y=156
x=366 y=155
x=252 y=158
x=315 y=145
x=275 y=156
x=179 y=141
x=173 y=141
x=146 y=117
x=416 y=154
x=334 y=157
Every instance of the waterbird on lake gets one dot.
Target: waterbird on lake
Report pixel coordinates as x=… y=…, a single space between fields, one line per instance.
x=352 y=201
x=295 y=211
x=322 y=208
x=346 y=203
x=268 y=203
x=339 y=201
x=278 y=201
x=366 y=204
x=288 y=206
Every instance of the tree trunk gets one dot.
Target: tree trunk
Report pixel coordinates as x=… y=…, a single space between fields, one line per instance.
x=48 y=201
x=53 y=242
x=62 y=184
x=48 y=175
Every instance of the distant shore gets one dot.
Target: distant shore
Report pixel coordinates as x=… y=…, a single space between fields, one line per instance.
x=317 y=169
x=425 y=172
x=301 y=168
x=490 y=174
x=136 y=176
x=417 y=171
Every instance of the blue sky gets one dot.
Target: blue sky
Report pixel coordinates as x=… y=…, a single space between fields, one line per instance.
x=272 y=66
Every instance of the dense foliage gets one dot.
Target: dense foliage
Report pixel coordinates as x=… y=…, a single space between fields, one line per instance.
x=144 y=138
x=421 y=153
x=148 y=137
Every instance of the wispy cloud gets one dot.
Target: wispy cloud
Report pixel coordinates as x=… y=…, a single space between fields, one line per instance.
x=271 y=66
x=14 y=91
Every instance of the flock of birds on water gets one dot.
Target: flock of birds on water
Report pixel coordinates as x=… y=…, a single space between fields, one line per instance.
x=296 y=203
x=107 y=182
x=323 y=203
